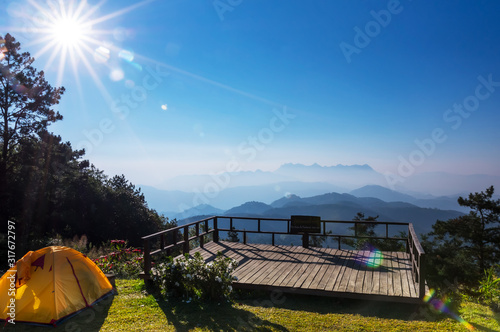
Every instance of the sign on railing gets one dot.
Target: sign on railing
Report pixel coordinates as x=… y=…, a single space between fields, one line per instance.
x=305 y=224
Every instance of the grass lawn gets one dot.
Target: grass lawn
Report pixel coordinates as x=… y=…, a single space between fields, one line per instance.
x=135 y=310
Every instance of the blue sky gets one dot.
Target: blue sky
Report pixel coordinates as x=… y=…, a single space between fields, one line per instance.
x=260 y=83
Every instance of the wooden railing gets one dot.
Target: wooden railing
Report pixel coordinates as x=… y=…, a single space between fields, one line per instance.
x=417 y=255
x=180 y=238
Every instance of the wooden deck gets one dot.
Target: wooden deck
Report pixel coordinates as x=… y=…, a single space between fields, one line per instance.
x=319 y=271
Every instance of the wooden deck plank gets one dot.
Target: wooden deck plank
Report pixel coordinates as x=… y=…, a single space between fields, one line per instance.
x=313 y=259
x=326 y=260
x=396 y=277
x=341 y=256
x=253 y=259
x=256 y=266
x=266 y=266
x=294 y=277
x=289 y=267
x=353 y=278
x=306 y=279
x=390 y=272
x=332 y=266
x=269 y=276
x=345 y=272
x=407 y=280
x=375 y=282
x=369 y=265
x=319 y=271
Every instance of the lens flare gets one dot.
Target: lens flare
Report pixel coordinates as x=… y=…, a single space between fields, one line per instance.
x=371 y=257
x=375 y=258
x=443 y=307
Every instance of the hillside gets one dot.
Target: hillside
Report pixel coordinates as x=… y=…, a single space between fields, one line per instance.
x=335 y=206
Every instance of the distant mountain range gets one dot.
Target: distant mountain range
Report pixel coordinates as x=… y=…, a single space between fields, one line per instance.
x=341 y=177
x=227 y=190
x=335 y=206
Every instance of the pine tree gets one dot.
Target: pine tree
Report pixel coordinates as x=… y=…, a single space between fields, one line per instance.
x=26 y=101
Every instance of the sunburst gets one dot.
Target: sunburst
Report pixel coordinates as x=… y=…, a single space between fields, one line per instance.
x=69 y=33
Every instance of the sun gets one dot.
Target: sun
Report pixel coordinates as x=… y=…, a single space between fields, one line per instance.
x=69 y=32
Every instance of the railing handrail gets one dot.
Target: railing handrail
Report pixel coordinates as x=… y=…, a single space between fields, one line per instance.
x=176 y=228
x=376 y=222
x=417 y=254
x=413 y=234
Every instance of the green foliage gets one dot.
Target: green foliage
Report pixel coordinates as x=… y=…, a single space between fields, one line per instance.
x=193 y=278
x=232 y=236
x=366 y=231
x=462 y=248
x=25 y=112
x=123 y=261
x=489 y=289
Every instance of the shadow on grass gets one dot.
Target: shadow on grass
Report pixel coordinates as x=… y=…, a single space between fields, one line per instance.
x=88 y=320
x=329 y=305
x=213 y=316
x=479 y=327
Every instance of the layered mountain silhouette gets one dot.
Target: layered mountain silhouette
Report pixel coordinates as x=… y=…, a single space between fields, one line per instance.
x=335 y=206
x=332 y=192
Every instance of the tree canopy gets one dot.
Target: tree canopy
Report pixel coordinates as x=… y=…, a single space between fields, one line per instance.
x=463 y=248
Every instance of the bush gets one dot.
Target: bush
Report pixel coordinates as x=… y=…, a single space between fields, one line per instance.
x=122 y=261
x=489 y=289
x=192 y=278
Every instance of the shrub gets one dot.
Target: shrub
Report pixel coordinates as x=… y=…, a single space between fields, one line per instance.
x=122 y=261
x=489 y=289
x=191 y=278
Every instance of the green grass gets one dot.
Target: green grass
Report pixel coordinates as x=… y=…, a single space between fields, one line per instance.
x=133 y=309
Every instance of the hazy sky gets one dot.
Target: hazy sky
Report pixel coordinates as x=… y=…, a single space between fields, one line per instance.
x=156 y=89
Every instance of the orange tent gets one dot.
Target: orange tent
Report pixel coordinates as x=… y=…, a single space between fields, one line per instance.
x=50 y=284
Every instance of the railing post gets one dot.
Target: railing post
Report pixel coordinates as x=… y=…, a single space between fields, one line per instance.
x=339 y=242
x=175 y=236
x=244 y=237
x=421 y=277
x=200 y=238
x=162 y=242
x=273 y=239
x=305 y=240
x=186 y=240
x=147 y=258
x=205 y=230
x=216 y=231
